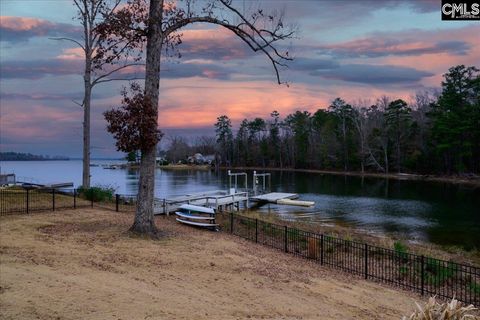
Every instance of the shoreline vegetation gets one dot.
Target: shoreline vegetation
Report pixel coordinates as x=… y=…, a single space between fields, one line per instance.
x=18 y=156
x=467 y=179
x=464 y=179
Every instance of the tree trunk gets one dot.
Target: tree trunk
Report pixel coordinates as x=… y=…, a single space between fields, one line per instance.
x=87 y=83
x=144 y=222
x=86 y=129
x=385 y=156
x=345 y=150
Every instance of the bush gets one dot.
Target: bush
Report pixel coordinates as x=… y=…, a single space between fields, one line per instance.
x=437 y=273
x=97 y=193
x=434 y=310
x=400 y=249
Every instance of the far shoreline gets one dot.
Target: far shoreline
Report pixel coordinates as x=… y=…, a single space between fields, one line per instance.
x=473 y=181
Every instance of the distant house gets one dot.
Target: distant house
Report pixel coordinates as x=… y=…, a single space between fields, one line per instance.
x=197 y=158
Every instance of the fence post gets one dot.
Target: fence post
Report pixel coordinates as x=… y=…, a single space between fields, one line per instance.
x=321 y=249
x=256 y=230
x=74 y=198
x=366 y=261
x=423 y=274
x=231 y=222
x=286 y=239
x=53 y=199
x=91 y=200
x=28 y=200
x=117 y=200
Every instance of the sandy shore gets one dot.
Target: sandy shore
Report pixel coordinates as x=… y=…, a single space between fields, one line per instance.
x=83 y=265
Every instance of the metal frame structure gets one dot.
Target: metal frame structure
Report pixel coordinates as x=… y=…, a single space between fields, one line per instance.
x=236 y=175
x=264 y=180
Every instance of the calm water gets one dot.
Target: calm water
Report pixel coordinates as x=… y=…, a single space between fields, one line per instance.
x=436 y=212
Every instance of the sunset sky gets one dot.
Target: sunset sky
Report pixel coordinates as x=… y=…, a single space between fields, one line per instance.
x=358 y=49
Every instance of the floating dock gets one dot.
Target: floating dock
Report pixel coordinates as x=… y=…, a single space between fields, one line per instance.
x=281 y=198
x=274 y=197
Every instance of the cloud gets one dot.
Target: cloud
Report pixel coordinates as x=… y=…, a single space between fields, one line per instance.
x=203 y=70
x=39 y=97
x=395 y=44
x=373 y=74
x=217 y=43
x=311 y=64
x=37 y=69
x=330 y=14
x=17 y=29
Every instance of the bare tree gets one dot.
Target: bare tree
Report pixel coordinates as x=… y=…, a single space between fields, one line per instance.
x=205 y=145
x=178 y=150
x=260 y=31
x=104 y=56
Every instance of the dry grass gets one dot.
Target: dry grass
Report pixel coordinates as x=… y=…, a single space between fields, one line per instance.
x=82 y=264
x=434 y=310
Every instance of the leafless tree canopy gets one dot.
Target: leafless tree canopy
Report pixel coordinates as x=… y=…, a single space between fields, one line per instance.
x=260 y=30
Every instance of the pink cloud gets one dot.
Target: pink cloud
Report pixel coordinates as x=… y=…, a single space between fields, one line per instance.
x=198 y=102
x=22 y=28
x=72 y=54
x=25 y=24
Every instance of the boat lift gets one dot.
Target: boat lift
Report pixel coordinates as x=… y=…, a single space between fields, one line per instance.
x=236 y=175
x=265 y=177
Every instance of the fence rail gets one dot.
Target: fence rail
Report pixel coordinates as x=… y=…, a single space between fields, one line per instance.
x=425 y=275
x=17 y=201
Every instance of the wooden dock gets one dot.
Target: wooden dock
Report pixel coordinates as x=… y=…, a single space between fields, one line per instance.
x=274 y=197
x=219 y=200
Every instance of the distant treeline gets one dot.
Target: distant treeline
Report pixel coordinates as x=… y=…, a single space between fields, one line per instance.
x=439 y=132
x=16 y=156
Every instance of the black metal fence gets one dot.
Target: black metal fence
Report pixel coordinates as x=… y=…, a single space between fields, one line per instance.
x=30 y=200
x=445 y=279
x=17 y=201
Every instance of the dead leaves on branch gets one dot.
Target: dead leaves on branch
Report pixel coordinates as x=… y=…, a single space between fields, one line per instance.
x=134 y=124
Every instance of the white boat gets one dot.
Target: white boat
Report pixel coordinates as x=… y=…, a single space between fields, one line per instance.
x=196 y=216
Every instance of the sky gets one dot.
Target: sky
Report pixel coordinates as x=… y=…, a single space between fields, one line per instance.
x=353 y=49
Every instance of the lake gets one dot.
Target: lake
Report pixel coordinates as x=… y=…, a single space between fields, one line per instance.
x=440 y=213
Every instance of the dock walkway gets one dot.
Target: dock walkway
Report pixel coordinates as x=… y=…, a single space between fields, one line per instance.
x=218 y=199
x=274 y=197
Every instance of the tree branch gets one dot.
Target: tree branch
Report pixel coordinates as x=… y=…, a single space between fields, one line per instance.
x=243 y=35
x=99 y=79
x=69 y=39
x=120 y=79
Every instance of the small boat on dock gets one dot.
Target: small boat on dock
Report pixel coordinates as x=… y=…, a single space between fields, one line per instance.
x=197 y=216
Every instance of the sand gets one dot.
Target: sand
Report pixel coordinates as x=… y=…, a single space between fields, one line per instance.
x=82 y=264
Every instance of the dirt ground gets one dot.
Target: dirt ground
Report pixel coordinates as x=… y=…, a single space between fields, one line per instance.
x=82 y=264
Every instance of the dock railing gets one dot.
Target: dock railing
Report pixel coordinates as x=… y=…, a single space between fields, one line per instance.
x=425 y=275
